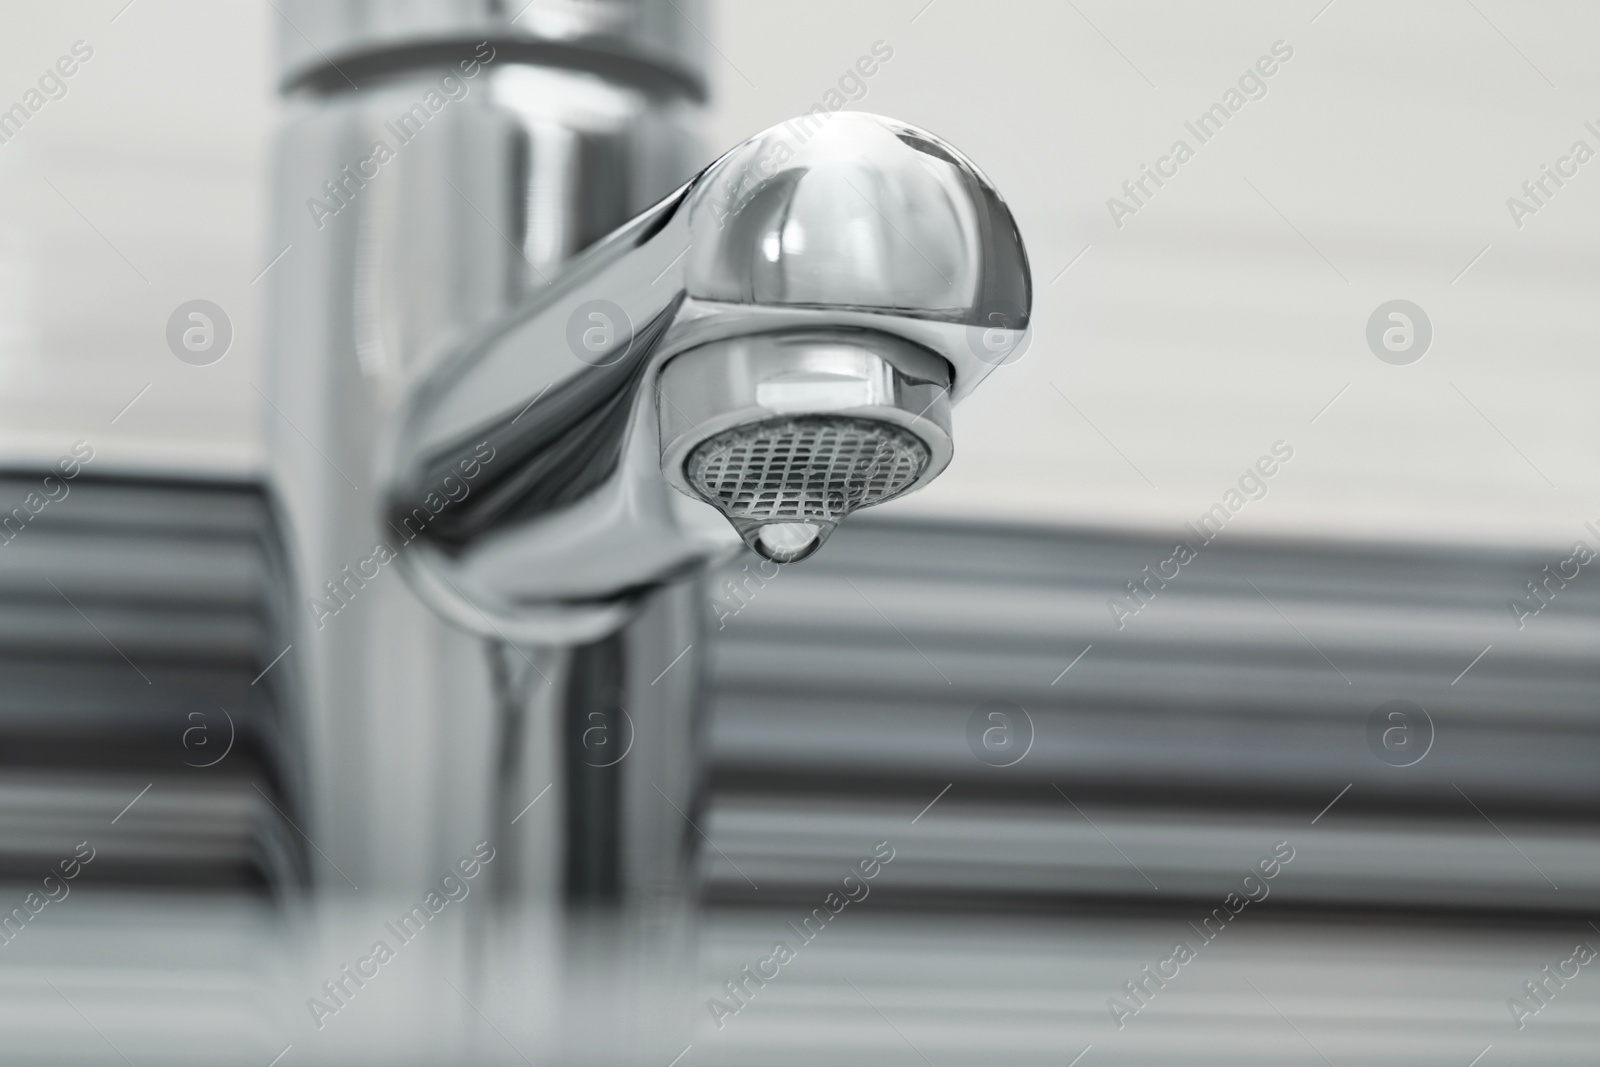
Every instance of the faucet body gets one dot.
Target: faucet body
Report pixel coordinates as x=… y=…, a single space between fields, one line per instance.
x=423 y=739
x=536 y=435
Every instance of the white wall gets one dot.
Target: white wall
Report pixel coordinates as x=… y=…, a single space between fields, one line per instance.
x=161 y=144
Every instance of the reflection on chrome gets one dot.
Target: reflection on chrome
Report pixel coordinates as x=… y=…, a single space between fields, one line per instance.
x=861 y=279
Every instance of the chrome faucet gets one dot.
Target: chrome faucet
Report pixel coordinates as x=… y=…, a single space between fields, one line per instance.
x=779 y=341
x=563 y=431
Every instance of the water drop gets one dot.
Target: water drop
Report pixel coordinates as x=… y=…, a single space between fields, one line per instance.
x=787 y=542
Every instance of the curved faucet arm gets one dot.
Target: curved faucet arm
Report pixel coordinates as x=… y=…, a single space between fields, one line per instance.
x=527 y=464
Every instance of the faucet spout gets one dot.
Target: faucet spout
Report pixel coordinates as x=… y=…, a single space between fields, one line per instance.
x=772 y=347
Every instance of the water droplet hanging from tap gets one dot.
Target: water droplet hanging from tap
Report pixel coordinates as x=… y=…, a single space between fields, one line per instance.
x=786 y=542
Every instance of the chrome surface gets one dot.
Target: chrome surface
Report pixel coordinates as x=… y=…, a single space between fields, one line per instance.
x=483 y=205
x=838 y=226
x=463 y=395
x=476 y=160
x=336 y=45
x=463 y=176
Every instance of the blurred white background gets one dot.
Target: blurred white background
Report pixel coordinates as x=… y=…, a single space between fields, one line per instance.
x=1175 y=350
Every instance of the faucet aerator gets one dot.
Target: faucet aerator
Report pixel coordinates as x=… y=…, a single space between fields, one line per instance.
x=786 y=434
x=786 y=484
